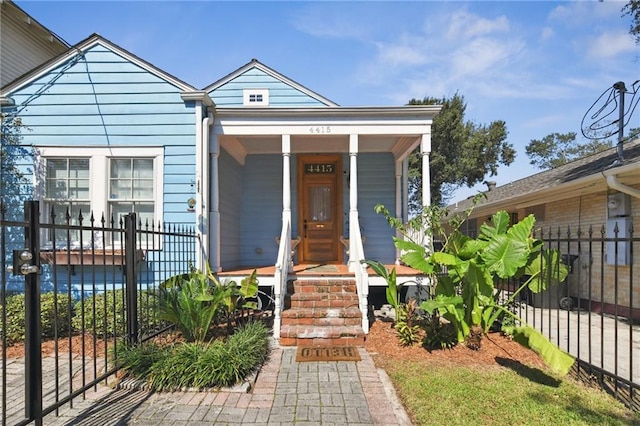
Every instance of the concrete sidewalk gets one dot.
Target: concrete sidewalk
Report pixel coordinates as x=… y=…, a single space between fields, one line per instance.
x=286 y=392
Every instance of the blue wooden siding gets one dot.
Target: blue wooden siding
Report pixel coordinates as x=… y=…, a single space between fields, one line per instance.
x=101 y=99
x=280 y=94
x=261 y=214
x=376 y=185
x=231 y=189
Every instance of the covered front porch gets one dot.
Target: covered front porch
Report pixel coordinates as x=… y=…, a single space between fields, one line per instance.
x=294 y=189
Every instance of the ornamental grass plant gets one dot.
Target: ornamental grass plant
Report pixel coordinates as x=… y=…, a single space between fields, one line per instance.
x=199 y=365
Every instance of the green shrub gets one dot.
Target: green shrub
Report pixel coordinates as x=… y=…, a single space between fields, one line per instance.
x=197 y=364
x=55 y=313
x=407 y=323
x=137 y=360
x=110 y=319
x=438 y=334
x=54 y=316
x=193 y=302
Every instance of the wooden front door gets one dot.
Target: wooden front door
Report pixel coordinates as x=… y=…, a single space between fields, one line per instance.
x=320 y=208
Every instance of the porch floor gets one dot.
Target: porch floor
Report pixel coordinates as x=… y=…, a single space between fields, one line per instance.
x=316 y=270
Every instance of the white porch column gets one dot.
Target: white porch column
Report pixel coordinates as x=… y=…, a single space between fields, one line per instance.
x=405 y=189
x=353 y=198
x=286 y=186
x=286 y=177
x=425 y=150
x=214 y=210
x=399 y=210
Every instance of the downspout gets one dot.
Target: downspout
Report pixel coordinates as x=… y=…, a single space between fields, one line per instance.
x=200 y=256
x=611 y=175
x=203 y=215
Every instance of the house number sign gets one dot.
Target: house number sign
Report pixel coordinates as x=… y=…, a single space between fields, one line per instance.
x=320 y=129
x=319 y=168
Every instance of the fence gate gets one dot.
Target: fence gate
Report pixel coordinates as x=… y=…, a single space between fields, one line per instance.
x=34 y=385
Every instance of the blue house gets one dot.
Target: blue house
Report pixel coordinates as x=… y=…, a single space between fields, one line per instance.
x=273 y=175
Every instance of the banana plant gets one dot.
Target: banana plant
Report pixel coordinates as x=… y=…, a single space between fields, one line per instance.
x=466 y=269
x=236 y=296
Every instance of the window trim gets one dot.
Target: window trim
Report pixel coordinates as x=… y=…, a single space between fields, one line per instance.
x=99 y=174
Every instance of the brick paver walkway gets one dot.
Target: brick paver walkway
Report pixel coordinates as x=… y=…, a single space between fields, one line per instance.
x=286 y=392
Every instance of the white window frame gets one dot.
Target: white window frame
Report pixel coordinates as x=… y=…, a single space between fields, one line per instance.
x=248 y=93
x=99 y=174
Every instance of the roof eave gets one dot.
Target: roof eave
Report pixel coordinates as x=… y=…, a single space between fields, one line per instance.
x=83 y=45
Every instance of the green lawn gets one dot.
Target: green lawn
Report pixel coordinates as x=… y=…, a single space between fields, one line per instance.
x=502 y=396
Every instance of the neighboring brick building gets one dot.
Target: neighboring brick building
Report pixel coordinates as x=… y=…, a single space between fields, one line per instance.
x=592 y=196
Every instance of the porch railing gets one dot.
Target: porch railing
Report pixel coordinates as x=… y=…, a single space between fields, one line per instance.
x=356 y=251
x=283 y=266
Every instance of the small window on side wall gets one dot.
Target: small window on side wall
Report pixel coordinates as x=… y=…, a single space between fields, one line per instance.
x=255 y=97
x=538 y=211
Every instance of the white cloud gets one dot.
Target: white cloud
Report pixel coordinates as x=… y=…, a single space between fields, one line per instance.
x=403 y=53
x=547 y=33
x=483 y=55
x=465 y=25
x=610 y=44
x=319 y=22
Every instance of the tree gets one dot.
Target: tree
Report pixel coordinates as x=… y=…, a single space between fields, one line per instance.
x=462 y=152
x=633 y=10
x=12 y=180
x=557 y=149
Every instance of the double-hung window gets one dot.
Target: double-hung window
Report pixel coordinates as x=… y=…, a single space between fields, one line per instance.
x=108 y=183
x=67 y=196
x=131 y=188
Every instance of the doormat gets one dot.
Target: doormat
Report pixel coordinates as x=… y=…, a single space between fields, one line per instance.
x=322 y=269
x=336 y=353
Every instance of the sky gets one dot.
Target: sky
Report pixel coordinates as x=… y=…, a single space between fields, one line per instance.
x=538 y=66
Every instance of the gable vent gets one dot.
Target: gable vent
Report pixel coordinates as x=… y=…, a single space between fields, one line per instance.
x=255 y=97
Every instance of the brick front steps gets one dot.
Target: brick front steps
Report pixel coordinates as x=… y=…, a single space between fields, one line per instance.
x=322 y=312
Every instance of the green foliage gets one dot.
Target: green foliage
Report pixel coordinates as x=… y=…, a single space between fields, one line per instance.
x=198 y=364
x=557 y=149
x=195 y=301
x=532 y=338
x=632 y=8
x=54 y=316
x=55 y=312
x=393 y=289
x=462 y=152
x=11 y=150
x=191 y=304
x=466 y=269
x=237 y=297
x=106 y=311
x=407 y=323
x=137 y=360
x=438 y=334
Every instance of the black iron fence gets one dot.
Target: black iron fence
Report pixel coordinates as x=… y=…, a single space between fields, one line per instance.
x=595 y=313
x=72 y=290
